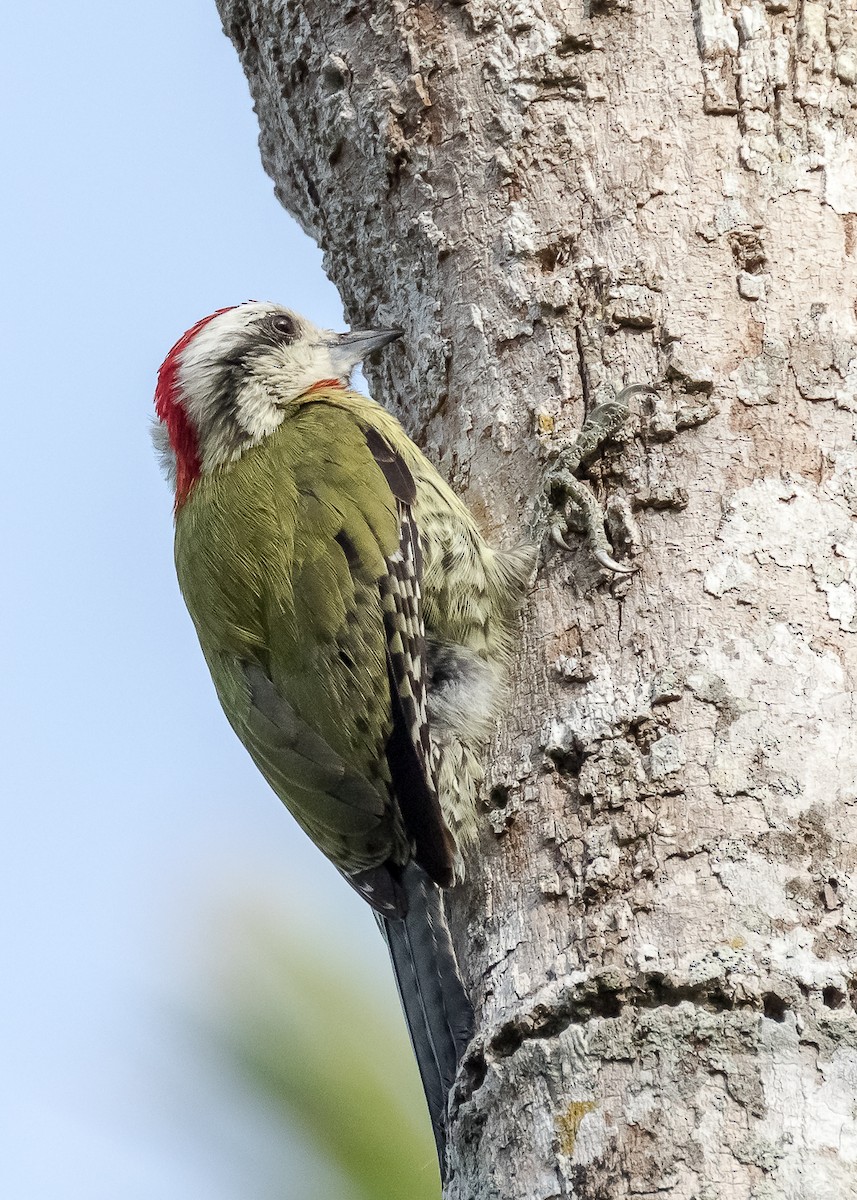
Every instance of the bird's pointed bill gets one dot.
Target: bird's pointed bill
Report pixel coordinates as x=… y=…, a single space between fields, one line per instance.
x=349 y=349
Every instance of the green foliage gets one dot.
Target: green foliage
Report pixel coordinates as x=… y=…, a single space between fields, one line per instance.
x=312 y=1037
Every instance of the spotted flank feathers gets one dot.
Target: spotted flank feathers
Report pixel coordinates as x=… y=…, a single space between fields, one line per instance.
x=410 y=750
x=406 y=644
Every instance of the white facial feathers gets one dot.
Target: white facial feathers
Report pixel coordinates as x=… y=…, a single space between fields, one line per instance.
x=242 y=369
x=238 y=372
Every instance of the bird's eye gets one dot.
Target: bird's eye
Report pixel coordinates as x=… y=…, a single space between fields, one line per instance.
x=283 y=325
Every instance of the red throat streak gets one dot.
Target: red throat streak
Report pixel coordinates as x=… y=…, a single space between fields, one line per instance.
x=324 y=385
x=182 y=435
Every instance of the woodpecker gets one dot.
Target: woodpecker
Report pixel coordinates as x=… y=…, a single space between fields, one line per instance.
x=355 y=622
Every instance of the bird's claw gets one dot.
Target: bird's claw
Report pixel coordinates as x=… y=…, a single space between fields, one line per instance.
x=575 y=505
x=589 y=521
x=611 y=565
x=557 y=538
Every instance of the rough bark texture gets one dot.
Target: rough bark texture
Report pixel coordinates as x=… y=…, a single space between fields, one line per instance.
x=552 y=199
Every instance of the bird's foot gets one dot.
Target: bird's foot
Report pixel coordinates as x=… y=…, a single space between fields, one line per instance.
x=574 y=507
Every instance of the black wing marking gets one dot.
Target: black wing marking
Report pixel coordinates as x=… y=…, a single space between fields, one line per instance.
x=409 y=752
x=393 y=466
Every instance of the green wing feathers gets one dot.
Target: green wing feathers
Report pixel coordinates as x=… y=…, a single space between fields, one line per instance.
x=279 y=559
x=287 y=561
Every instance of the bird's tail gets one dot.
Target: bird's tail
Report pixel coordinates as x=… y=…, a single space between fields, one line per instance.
x=437 y=1010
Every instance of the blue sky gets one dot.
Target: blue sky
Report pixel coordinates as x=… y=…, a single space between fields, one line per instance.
x=134 y=204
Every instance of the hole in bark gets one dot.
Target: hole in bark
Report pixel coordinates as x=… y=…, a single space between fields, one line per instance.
x=606 y=1004
x=774 y=1006
x=507 y=1041
x=498 y=797
x=332 y=79
x=568 y=759
x=832 y=997
x=659 y=990
x=475 y=1070
x=398 y=162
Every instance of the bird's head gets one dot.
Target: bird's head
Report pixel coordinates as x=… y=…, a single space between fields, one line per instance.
x=227 y=382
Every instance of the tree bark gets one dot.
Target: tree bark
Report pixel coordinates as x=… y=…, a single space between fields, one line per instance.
x=553 y=200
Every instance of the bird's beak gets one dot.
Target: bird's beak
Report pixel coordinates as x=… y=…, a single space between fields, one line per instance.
x=348 y=349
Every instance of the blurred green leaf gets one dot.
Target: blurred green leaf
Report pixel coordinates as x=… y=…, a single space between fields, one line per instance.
x=307 y=1031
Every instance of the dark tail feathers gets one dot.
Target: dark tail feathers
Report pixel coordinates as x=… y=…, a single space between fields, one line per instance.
x=438 y=1012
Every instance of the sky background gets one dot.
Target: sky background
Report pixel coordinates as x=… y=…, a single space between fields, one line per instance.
x=133 y=203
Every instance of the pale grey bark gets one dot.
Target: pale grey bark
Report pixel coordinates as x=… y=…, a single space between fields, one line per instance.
x=554 y=200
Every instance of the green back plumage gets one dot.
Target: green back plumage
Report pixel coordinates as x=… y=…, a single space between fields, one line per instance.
x=279 y=558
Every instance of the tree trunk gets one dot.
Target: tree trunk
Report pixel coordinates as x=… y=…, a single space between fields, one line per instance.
x=660 y=930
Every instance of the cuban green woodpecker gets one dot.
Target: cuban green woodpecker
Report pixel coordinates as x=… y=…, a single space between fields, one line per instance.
x=354 y=620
